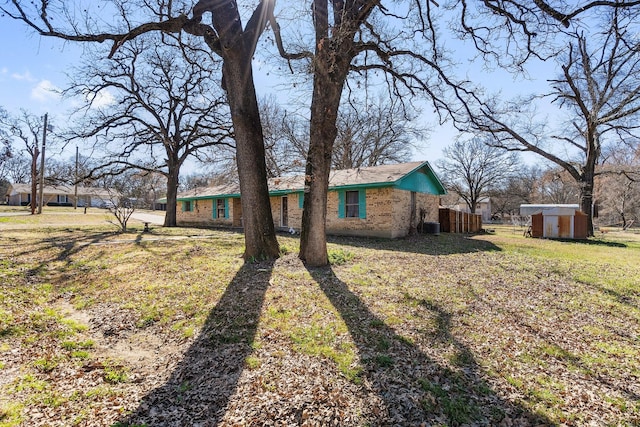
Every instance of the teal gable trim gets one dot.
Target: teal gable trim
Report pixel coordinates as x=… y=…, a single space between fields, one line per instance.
x=421 y=180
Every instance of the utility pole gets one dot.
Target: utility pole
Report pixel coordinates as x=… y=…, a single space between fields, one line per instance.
x=44 y=142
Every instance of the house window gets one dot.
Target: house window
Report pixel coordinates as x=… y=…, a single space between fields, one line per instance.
x=220 y=208
x=352 y=204
x=187 y=206
x=62 y=199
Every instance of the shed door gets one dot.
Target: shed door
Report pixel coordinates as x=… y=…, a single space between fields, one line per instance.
x=564 y=227
x=550 y=226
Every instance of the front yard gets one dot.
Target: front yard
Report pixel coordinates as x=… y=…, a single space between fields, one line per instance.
x=169 y=328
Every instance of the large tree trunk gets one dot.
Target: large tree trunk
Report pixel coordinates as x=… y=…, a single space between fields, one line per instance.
x=259 y=231
x=586 y=201
x=329 y=76
x=237 y=79
x=170 y=219
x=587 y=182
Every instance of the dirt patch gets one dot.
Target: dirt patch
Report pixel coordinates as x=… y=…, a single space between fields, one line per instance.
x=116 y=336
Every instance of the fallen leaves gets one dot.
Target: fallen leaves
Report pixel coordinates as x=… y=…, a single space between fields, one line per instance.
x=424 y=331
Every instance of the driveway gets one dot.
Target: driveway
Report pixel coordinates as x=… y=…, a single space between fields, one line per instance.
x=151 y=218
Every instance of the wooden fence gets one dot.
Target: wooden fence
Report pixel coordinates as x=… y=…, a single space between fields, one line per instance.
x=452 y=221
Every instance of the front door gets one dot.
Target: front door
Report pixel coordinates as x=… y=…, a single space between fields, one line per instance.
x=285 y=212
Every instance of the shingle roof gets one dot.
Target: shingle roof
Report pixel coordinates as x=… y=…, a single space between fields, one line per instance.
x=384 y=174
x=371 y=175
x=216 y=190
x=62 y=189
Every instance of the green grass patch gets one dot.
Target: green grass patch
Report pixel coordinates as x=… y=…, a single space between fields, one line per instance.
x=11 y=414
x=532 y=317
x=114 y=373
x=339 y=256
x=321 y=340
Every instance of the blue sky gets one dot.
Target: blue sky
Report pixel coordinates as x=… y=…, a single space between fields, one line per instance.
x=32 y=69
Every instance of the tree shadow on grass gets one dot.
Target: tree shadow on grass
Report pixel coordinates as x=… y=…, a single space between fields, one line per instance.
x=416 y=388
x=593 y=242
x=200 y=386
x=427 y=244
x=61 y=248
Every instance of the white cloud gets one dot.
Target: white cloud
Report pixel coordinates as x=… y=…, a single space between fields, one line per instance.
x=26 y=76
x=100 y=99
x=45 y=91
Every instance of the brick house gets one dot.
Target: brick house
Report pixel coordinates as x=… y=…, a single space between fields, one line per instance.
x=379 y=201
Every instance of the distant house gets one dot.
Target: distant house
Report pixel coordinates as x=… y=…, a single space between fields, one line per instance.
x=60 y=195
x=382 y=201
x=556 y=221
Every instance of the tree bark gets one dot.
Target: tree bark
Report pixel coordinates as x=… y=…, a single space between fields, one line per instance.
x=260 y=237
x=170 y=219
x=236 y=50
x=257 y=219
x=586 y=200
x=329 y=77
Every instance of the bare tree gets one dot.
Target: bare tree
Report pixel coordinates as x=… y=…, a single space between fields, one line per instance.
x=472 y=168
x=618 y=188
x=27 y=129
x=618 y=200
x=599 y=89
x=225 y=37
x=361 y=36
x=5 y=143
x=376 y=133
x=368 y=134
x=519 y=188
x=285 y=139
x=402 y=43
x=16 y=168
x=161 y=108
x=557 y=186
x=121 y=207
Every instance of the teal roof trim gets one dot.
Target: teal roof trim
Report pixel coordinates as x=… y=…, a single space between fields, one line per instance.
x=284 y=192
x=217 y=196
x=421 y=180
x=360 y=186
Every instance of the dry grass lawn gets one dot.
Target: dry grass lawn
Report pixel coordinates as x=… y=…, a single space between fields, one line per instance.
x=169 y=328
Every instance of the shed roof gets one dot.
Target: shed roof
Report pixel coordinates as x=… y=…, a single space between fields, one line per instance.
x=549 y=209
x=413 y=176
